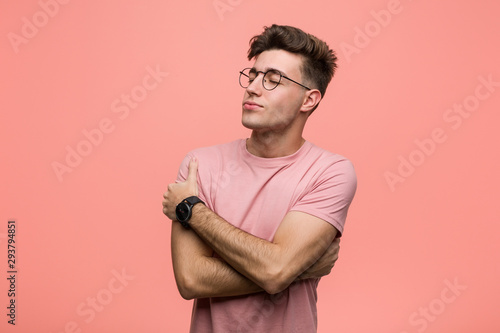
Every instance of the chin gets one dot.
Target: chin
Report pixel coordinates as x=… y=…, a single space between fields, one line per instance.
x=249 y=125
x=248 y=122
x=255 y=120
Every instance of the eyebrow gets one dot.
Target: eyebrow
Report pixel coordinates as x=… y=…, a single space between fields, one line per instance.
x=269 y=69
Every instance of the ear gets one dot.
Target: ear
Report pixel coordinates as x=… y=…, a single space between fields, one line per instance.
x=311 y=100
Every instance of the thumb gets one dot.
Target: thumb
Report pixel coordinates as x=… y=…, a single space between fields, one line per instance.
x=193 y=169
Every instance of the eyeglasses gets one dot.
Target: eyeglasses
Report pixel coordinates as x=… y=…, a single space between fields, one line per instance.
x=270 y=80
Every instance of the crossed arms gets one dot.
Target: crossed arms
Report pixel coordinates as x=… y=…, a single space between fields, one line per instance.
x=303 y=247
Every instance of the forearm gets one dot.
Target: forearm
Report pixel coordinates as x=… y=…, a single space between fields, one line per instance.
x=212 y=277
x=198 y=274
x=255 y=258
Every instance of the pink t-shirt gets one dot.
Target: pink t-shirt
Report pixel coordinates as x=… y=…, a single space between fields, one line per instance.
x=254 y=194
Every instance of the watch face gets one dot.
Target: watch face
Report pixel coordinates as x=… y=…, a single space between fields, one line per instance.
x=183 y=211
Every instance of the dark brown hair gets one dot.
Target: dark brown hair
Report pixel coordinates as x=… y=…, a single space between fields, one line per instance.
x=319 y=62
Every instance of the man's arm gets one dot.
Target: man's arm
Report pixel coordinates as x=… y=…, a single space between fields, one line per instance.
x=198 y=274
x=301 y=239
x=299 y=242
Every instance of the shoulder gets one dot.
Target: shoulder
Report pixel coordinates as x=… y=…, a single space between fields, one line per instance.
x=332 y=173
x=210 y=152
x=213 y=158
x=330 y=163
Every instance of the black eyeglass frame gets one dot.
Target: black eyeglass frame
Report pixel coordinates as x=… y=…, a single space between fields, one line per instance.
x=270 y=70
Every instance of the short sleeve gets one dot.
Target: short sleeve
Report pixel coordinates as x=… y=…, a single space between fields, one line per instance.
x=331 y=194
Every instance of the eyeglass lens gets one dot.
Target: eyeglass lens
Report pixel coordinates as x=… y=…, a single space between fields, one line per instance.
x=270 y=80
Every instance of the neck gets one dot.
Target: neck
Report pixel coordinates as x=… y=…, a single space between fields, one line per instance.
x=268 y=145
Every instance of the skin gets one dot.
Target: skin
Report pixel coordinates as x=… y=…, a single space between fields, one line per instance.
x=304 y=246
x=277 y=126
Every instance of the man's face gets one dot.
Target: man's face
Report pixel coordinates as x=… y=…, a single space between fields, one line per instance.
x=274 y=110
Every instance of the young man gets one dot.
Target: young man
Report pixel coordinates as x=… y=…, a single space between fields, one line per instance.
x=257 y=221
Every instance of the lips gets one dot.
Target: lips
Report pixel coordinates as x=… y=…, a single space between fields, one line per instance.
x=249 y=105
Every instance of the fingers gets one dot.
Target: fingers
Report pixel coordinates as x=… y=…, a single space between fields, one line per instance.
x=180 y=190
x=193 y=169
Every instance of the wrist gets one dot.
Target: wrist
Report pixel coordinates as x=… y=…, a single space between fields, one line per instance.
x=196 y=217
x=185 y=210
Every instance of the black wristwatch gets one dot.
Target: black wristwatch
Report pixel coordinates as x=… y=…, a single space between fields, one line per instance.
x=183 y=211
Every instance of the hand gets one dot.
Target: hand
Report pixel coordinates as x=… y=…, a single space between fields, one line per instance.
x=177 y=192
x=324 y=264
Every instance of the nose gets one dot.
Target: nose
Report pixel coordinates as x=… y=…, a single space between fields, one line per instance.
x=255 y=88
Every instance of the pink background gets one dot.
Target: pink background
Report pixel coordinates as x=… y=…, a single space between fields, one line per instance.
x=403 y=66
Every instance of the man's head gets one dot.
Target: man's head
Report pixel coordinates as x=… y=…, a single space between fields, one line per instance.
x=318 y=60
x=287 y=80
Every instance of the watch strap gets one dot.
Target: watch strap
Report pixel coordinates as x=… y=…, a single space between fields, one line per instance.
x=190 y=201
x=193 y=200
